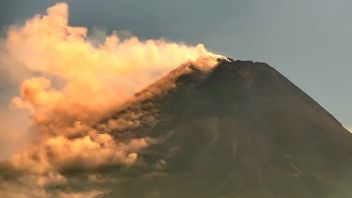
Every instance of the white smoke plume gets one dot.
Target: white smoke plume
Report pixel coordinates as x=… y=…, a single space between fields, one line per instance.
x=72 y=82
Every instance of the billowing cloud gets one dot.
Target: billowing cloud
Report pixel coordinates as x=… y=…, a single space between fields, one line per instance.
x=69 y=82
x=103 y=74
x=90 y=151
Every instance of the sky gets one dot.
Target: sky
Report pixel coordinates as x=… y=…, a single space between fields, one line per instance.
x=308 y=41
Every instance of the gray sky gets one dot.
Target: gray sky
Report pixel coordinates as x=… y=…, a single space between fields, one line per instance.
x=309 y=41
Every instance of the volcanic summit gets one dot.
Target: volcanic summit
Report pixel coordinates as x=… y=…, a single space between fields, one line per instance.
x=239 y=130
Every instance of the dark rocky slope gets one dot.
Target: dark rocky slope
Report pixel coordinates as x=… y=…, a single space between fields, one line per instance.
x=242 y=130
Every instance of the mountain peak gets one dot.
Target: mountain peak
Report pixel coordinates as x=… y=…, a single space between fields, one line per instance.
x=240 y=129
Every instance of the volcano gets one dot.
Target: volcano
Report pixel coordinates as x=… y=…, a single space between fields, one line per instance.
x=240 y=129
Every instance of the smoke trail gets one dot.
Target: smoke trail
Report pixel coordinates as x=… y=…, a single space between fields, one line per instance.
x=73 y=82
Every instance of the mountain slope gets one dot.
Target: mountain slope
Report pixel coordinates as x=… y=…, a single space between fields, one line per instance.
x=240 y=130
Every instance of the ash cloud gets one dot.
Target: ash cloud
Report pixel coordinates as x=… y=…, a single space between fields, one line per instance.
x=68 y=83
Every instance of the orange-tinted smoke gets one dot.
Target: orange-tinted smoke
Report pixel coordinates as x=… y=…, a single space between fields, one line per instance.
x=74 y=82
